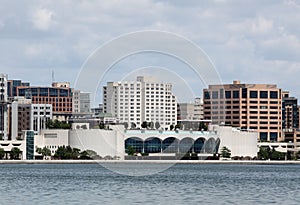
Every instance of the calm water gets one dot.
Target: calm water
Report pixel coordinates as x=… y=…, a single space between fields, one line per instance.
x=181 y=184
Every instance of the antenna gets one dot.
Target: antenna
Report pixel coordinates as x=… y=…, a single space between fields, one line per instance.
x=53 y=79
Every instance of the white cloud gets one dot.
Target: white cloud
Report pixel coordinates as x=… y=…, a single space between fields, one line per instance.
x=42 y=19
x=255 y=26
x=249 y=40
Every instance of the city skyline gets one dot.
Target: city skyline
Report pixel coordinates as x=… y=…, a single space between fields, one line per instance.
x=255 y=42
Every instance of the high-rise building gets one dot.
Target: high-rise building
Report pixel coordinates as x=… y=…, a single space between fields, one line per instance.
x=248 y=106
x=60 y=96
x=290 y=112
x=3 y=107
x=81 y=102
x=20 y=113
x=28 y=116
x=190 y=111
x=144 y=100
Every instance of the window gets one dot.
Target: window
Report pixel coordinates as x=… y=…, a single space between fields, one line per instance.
x=273 y=136
x=236 y=94
x=215 y=95
x=206 y=95
x=263 y=94
x=273 y=94
x=221 y=93
x=228 y=94
x=253 y=94
x=244 y=93
x=263 y=136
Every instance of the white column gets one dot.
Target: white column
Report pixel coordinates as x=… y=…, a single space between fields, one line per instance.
x=14 y=120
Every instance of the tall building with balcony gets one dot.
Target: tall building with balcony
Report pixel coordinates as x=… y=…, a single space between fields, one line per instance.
x=3 y=107
x=290 y=119
x=290 y=112
x=145 y=99
x=248 y=106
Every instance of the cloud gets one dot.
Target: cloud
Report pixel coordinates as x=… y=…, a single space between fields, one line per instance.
x=42 y=19
x=249 y=40
x=255 y=26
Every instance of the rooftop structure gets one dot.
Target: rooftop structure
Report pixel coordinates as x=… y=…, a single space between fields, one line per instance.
x=248 y=106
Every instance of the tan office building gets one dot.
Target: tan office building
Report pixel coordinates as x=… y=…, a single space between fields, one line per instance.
x=248 y=106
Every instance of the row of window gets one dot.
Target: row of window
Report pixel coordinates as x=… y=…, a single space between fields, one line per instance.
x=236 y=94
x=245 y=117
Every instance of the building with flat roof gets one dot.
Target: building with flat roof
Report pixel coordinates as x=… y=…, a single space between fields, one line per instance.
x=190 y=111
x=248 y=106
x=3 y=107
x=145 y=99
x=59 y=97
x=12 y=88
x=290 y=111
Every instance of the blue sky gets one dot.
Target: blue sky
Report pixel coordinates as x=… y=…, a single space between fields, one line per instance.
x=255 y=41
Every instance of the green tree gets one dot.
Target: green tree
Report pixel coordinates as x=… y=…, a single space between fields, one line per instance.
x=130 y=150
x=1 y=136
x=68 y=152
x=177 y=126
x=88 y=154
x=203 y=126
x=275 y=155
x=15 y=153
x=151 y=125
x=133 y=125
x=91 y=153
x=56 y=124
x=75 y=153
x=225 y=152
x=171 y=127
x=45 y=152
x=144 y=124
x=2 y=153
x=157 y=125
x=264 y=153
x=101 y=125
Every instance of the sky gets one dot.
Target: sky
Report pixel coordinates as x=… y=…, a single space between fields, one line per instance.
x=255 y=41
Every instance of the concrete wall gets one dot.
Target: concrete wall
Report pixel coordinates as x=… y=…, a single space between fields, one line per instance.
x=104 y=142
x=52 y=139
x=239 y=142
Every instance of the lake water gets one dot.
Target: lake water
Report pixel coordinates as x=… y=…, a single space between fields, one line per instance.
x=180 y=184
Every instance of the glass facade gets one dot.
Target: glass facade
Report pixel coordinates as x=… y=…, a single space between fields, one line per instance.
x=170 y=145
x=198 y=145
x=136 y=143
x=29 y=145
x=186 y=145
x=173 y=145
x=152 y=145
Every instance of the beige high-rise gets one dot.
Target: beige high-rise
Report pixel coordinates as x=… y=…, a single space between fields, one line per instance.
x=248 y=106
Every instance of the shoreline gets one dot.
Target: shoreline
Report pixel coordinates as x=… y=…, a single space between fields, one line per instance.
x=257 y=162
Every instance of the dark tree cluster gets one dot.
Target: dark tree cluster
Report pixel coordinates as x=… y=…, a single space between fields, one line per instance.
x=56 y=124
